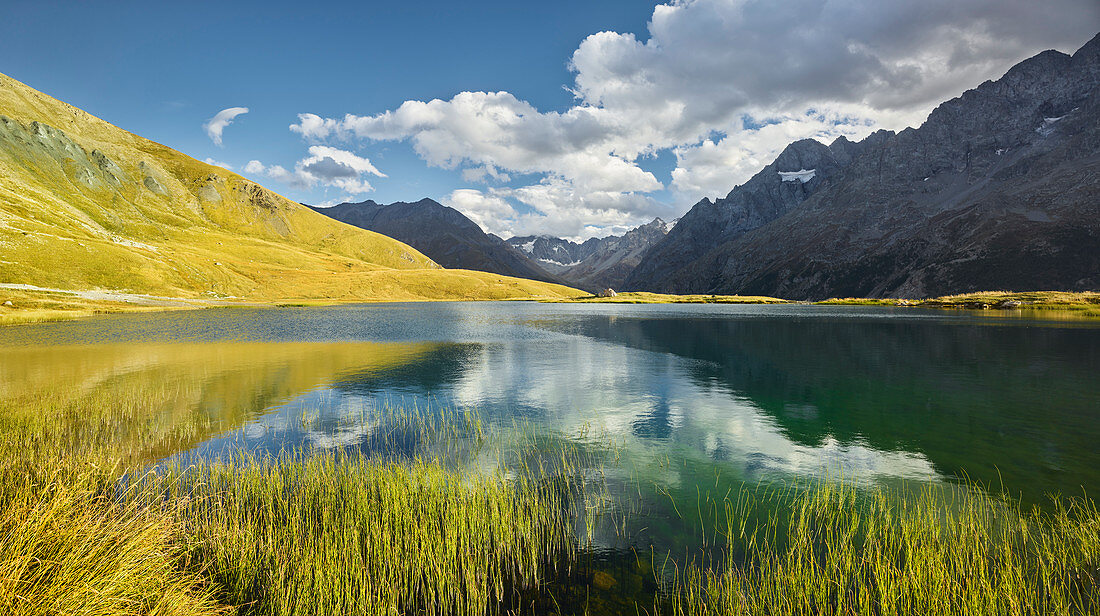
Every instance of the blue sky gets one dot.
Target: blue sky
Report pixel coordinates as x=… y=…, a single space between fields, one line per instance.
x=570 y=118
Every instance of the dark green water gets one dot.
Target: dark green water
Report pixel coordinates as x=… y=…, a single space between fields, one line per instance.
x=692 y=396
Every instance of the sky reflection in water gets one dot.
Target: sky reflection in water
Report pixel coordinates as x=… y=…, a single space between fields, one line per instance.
x=756 y=392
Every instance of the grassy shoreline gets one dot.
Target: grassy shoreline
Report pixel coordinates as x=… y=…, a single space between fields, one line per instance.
x=326 y=535
x=37 y=306
x=645 y=297
x=842 y=550
x=320 y=535
x=30 y=306
x=1049 y=304
x=90 y=528
x=1082 y=303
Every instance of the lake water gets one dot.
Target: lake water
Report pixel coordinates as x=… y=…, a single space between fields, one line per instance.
x=691 y=396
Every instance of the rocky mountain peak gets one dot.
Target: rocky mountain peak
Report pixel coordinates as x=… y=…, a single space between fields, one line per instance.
x=596 y=263
x=953 y=172
x=1090 y=50
x=996 y=189
x=654 y=225
x=799 y=170
x=445 y=234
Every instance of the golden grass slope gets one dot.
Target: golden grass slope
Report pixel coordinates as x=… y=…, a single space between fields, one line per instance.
x=85 y=204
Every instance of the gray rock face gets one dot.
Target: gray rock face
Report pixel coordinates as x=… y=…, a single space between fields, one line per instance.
x=998 y=189
x=443 y=234
x=555 y=253
x=769 y=194
x=597 y=263
x=616 y=257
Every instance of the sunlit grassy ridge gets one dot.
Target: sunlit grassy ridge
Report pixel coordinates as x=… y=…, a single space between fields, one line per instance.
x=84 y=204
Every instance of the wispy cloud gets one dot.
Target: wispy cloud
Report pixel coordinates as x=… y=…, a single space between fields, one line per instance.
x=215 y=125
x=218 y=163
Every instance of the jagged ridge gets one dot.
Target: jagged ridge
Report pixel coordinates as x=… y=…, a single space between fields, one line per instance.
x=998 y=189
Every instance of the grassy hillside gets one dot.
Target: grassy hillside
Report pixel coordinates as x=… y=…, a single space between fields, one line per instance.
x=85 y=204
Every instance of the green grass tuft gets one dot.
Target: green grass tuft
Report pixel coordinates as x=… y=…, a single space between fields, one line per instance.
x=326 y=535
x=841 y=550
x=67 y=546
x=1042 y=304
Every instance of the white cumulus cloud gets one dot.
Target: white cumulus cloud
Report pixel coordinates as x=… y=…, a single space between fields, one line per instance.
x=723 y=85
x=326 y=166
x=331 y=162
x=496 y=130
x=492 y=212
x=215 y=125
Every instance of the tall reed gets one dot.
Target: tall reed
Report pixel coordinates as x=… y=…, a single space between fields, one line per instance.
x=437 y=515
x=840 y=550
x=68 y=546
x=332 y=534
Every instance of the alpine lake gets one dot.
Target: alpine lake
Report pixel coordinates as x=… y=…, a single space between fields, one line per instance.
x=667 y=408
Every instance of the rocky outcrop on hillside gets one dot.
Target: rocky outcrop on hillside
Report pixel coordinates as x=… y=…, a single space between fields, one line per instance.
x=435 y=229
x=998 y=189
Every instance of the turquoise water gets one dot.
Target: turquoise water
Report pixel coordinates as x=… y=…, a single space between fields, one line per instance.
x=669 y=408
x=756 y=392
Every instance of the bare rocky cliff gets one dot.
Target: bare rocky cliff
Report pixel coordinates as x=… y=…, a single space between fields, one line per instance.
x=801 y=169
x=598 y=263
x=998 y=189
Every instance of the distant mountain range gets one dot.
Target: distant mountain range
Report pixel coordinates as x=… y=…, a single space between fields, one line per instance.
x=443 y=233
x=598 y=263
x=451 y=239
x=998 y=189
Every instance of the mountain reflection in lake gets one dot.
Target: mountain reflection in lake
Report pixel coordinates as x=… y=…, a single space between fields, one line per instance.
x=685 y=391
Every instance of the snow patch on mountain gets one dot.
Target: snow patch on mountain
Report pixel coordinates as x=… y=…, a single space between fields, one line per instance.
x=802 y=175
x=1047 y=127
x=559 y=263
